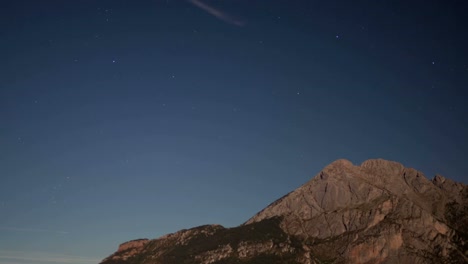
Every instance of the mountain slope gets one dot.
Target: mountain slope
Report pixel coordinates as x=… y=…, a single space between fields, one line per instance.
x=261 y=242
x=378 y=212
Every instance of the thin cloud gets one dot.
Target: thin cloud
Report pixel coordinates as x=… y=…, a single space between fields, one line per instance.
x=34 y=230
x=43 y=257
x=217 y=13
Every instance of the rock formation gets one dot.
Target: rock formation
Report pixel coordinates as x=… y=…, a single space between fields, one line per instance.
x=128 y=249
x=378 y=212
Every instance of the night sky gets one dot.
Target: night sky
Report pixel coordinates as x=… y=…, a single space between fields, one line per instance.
x=126 y=119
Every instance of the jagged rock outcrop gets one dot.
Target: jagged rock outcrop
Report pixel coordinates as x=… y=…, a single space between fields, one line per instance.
x=128 y=250
x=377 y=212
x=133 y=244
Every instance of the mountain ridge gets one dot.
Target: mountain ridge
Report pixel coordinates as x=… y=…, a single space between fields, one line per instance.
x=376 y=212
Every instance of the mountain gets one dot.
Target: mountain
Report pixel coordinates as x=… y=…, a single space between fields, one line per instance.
x=378 y=212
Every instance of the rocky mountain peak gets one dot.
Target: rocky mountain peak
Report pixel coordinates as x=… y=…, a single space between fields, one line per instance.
x=383 y=166
x=377 y=197
x=377 y=212
x=340 y=163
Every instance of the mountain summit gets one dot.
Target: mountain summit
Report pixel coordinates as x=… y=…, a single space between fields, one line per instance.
x=377 y=212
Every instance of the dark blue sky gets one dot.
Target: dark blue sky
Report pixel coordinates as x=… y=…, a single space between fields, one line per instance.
x=126 y=119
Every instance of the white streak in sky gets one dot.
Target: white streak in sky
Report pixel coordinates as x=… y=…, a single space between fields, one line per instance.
x=217 y=13
x=20 y=257
x=20 y=229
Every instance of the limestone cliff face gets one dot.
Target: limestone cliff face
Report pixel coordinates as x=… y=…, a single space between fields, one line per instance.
x=128 y=250
x=377 y=212
x=133 y=244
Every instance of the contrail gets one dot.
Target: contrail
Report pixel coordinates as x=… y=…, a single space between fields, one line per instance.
x=20 y=229
x=42 y=257
x=217 y=13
